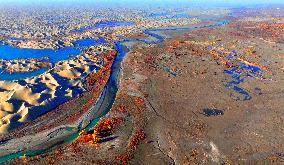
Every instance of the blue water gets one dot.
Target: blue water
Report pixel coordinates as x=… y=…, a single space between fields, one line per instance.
x=159 y=14
x=181 y=15
x=113 y=82
x=89 y=42
x=103 y=24
x=212 y=112
x=8 y=52
x=15 y=76
x=168 y=15
x=17 y=39
x=239 y=75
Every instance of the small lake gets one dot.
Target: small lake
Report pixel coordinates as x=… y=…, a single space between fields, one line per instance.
x=103 y=24
x=19 y=75
x=89 y=42
x=8 y=52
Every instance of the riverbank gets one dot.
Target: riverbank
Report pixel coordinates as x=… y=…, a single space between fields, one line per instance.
x=189 y=100
x=173 y=105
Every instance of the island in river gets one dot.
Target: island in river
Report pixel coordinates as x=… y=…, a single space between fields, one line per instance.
x=145 y=86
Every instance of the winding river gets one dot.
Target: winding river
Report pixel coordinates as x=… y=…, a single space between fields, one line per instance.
x=32 y=145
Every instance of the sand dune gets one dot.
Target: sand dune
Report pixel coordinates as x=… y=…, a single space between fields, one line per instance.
x=5 y=106
x=3 y=114
x=26 y=94
x=69 y=73
x=63 y=82
x=6 y=95
x=69 y=92
x=24 y=113
x=49 y=81
x=7 y=85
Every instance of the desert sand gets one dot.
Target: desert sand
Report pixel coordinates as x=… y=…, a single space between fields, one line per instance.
x=52 y=88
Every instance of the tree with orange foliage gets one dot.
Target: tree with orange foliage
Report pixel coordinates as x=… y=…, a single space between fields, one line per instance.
x=139 y=101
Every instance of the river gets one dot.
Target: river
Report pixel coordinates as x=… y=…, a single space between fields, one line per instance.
x=43 y=142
